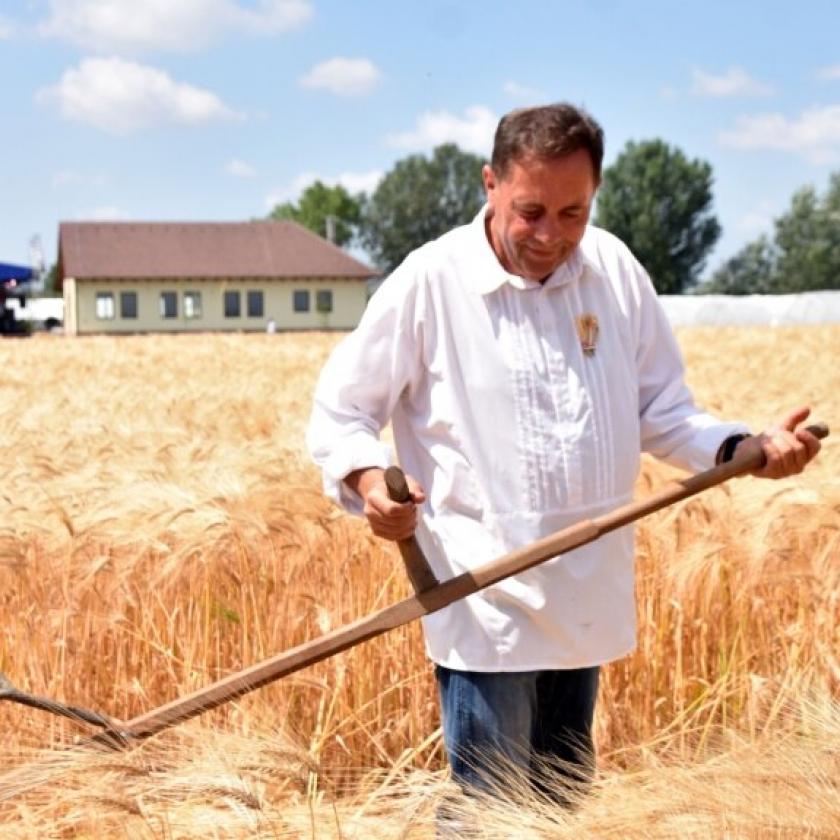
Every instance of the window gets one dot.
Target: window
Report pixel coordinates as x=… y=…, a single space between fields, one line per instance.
x=105 y=305
x=192 y=304
x=232 y=305
x=255 y=303
x=168 y=305
x=301 y=300
x=323 y=302
x=128 y=304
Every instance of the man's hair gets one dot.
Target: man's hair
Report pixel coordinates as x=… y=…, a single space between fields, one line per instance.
x=546 y=133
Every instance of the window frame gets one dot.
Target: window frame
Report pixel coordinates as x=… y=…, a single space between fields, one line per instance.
x=163 y=309
x=125 y=312
x=232 y=295
x=253 y=295
x=305 y=298
x=194 y=296
x=324 y=301
x=103 y=315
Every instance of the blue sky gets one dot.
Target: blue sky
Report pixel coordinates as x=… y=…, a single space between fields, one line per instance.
x=217 y=109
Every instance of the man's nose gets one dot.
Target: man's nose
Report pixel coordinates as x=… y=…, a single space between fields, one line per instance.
x=547 y=231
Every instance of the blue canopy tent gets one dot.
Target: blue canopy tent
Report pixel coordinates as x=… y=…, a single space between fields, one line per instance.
x=12 y=274
x=15 y=282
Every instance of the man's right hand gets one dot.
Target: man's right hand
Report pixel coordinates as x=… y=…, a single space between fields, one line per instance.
x=388 y=519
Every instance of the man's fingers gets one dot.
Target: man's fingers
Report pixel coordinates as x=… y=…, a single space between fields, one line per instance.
x=389 y=519
x=390 y=529
x=773 y=458
x=793 y=418
x=417 y=494
x=794 y=454
x=787 y=448
x=786 y=453
x=811 y=443
x=393 y=534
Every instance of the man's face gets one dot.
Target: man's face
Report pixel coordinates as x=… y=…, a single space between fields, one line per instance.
x=538 y=212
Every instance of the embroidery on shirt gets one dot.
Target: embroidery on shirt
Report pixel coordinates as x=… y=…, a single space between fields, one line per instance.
x=587 y=327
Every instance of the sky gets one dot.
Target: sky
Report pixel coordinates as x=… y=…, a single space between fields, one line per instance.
x=196 y=110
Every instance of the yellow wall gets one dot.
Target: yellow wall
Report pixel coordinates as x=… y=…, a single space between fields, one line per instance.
x=349 y=298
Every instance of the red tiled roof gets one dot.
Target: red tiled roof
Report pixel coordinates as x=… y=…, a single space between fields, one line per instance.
x=139 y=250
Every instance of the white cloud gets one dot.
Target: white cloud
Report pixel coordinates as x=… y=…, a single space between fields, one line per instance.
x=274 y=15
x=735 y=82
x=815 y=134
x=522 y=93
x=240 y=169
x=831 y=73
x=353 y=182
x=6 y=30
x=356 y=182
x=121 y=96
x=170 y=25
x=343 y=76
x=473 y=132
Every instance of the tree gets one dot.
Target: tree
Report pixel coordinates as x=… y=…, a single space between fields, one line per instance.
x=52 y=283
x=420 y=199
x=808 y=241
x=319 y=201
x=804 y=254
x=750 y=272
x=659 y=203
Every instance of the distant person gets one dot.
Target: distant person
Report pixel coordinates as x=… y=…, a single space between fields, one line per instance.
x=271 y=326
x=525 y=362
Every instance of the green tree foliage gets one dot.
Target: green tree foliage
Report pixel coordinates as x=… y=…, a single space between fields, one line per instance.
x=803 y=256
x=750 y=272
x=52 y=283
x=319 y=201
x=420 y=199
x=808 y=241
x=659 y=203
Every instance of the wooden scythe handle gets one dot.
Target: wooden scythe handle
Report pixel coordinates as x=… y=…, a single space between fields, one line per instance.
x=423 y=603
x=416 y=565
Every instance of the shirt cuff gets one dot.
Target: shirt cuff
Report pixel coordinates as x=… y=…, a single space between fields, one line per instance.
x=354 y=453
x=706 y=443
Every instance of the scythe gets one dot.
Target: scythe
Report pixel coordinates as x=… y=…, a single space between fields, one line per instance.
x=429 y=596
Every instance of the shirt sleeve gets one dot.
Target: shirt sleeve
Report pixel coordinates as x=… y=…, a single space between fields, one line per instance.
x=360 y=384
x=673 y=428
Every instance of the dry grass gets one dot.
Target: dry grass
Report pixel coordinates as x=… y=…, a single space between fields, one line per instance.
x=160 y=527
x=198 y=782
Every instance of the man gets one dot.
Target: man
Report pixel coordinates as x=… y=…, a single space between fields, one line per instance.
x=524 y=362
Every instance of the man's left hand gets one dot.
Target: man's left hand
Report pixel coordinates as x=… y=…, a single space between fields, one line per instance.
x=786 y=448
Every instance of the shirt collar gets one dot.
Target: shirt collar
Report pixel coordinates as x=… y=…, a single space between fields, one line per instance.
x=489 y=274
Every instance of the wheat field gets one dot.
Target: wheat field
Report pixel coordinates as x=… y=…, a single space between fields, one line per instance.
x=161 y=527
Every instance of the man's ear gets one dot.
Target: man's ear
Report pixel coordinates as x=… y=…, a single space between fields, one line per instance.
x=488 y=176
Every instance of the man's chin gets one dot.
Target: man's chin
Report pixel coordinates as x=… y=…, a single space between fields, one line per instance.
x=541 y=271
x=539 y=266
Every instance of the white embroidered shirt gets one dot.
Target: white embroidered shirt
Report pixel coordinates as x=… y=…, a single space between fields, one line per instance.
x=515 y=432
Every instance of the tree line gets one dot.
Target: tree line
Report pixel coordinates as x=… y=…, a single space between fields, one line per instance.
x=653 y=197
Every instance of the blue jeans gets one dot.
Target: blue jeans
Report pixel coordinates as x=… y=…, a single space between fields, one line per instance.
x=540 y=721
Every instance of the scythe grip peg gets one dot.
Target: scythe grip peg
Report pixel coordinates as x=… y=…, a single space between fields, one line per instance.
x=416 y=565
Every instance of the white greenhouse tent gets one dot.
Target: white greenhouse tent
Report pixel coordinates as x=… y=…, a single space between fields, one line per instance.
x=743 y=310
